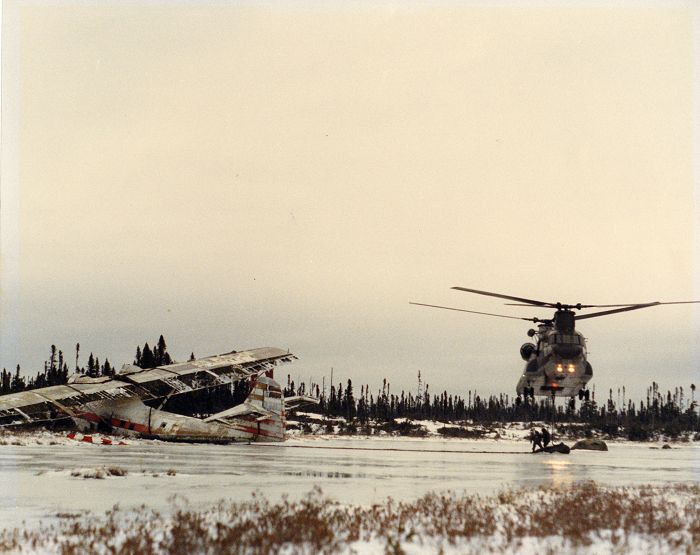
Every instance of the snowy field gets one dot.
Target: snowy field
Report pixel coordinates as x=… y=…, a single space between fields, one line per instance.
x=45 y=476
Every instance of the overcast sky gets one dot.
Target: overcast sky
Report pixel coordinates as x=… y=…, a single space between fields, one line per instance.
x=291 y=174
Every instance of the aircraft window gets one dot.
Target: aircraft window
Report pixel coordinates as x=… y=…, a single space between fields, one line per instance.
x=561 y=338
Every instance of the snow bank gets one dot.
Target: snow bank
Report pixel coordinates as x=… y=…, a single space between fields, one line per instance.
x=46 y=437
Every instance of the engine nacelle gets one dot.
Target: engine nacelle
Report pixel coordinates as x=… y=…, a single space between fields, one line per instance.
x=527 y=350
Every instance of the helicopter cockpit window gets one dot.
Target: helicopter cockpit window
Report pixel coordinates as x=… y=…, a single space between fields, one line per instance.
x=564 y=338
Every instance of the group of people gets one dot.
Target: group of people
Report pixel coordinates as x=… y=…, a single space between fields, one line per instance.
x=540 y=439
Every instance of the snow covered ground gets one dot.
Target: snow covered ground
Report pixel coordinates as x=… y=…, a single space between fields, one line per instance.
x=43 y=475
x=315 y=425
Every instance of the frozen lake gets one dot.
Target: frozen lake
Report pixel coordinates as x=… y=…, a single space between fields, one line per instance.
x=36 y=482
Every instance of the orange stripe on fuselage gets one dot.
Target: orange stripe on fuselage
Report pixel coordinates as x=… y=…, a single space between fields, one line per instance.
x=90 y=416
x=126 y=425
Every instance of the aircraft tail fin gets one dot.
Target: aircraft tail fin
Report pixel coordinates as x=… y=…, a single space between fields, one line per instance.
x=262 y=411
x=266 y=394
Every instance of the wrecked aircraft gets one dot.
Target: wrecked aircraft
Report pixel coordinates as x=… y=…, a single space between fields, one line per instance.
x=131 y=402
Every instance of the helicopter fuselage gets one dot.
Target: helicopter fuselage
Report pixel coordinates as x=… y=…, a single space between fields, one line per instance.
x=556 y=366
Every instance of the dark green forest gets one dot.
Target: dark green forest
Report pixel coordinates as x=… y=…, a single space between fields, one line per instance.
x=668 y=413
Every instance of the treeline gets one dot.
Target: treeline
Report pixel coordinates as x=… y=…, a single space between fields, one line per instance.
x=669 y=413
x=57 y=372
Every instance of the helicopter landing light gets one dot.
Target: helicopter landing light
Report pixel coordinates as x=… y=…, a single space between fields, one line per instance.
x=571 y=369
x=560 y=368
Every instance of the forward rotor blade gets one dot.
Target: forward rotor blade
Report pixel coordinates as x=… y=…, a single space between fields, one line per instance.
x=508 y=297
x=606 y=312
x=475 y=312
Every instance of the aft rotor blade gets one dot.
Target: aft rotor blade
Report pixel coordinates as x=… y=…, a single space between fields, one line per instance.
x=508 y=297
x=475 y=312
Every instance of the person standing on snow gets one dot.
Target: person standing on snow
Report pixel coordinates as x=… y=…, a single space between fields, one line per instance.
x=545 y=437
x=536 y=440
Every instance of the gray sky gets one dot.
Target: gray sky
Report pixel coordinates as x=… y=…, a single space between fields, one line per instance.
x=235 y=175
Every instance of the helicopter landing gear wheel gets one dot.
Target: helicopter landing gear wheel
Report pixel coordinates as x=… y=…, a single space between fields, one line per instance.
x=572 y=404
x=587 y=395
x=518 y=400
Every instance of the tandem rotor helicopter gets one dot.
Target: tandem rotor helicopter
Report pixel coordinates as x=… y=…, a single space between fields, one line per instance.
x=556 y=365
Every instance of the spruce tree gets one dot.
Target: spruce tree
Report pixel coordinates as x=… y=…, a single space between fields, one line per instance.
x=147 y=358
x=51 y=378
x=160 y=351
x=59 y=371
x=5 y=382
x=17 y=382
x=349 y=401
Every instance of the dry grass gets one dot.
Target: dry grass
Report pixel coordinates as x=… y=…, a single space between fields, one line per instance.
x=569 y=519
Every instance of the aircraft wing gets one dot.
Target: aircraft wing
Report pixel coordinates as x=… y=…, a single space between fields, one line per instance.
x=205 y=372
x=59 y=401
x=63 y=401
x=244 y=409
x=297 y=401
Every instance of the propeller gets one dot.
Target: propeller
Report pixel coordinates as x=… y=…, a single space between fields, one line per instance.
x=558 y=306
x=578 y=306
